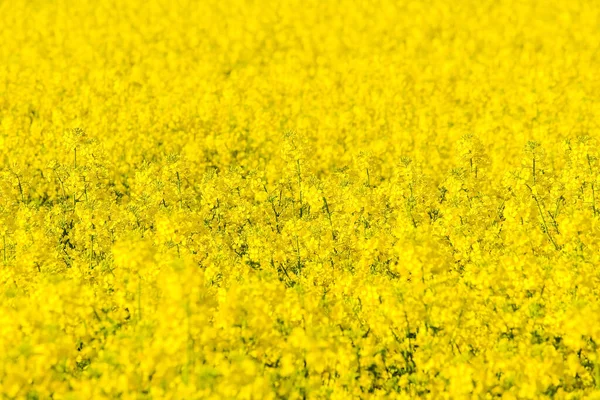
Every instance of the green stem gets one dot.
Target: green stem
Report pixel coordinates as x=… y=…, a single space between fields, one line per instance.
x=299 y=185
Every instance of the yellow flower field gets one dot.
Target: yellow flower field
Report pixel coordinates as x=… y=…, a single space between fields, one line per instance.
x=317 y=199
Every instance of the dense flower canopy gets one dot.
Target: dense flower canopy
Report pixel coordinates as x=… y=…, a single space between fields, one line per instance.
x=299 y=199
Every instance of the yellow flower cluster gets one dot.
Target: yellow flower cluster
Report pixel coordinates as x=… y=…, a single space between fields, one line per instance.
x=299 y=199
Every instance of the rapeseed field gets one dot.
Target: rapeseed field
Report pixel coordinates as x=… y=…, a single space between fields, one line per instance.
x=317 y=199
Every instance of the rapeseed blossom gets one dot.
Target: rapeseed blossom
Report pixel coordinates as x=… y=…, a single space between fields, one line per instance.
x=299 y=199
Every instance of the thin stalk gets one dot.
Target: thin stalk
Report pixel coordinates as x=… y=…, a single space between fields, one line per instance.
x=20 y=188
x=179 y=189
x=91 y=250
x=537 y=202
x=329 y=217
x=299 y=185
